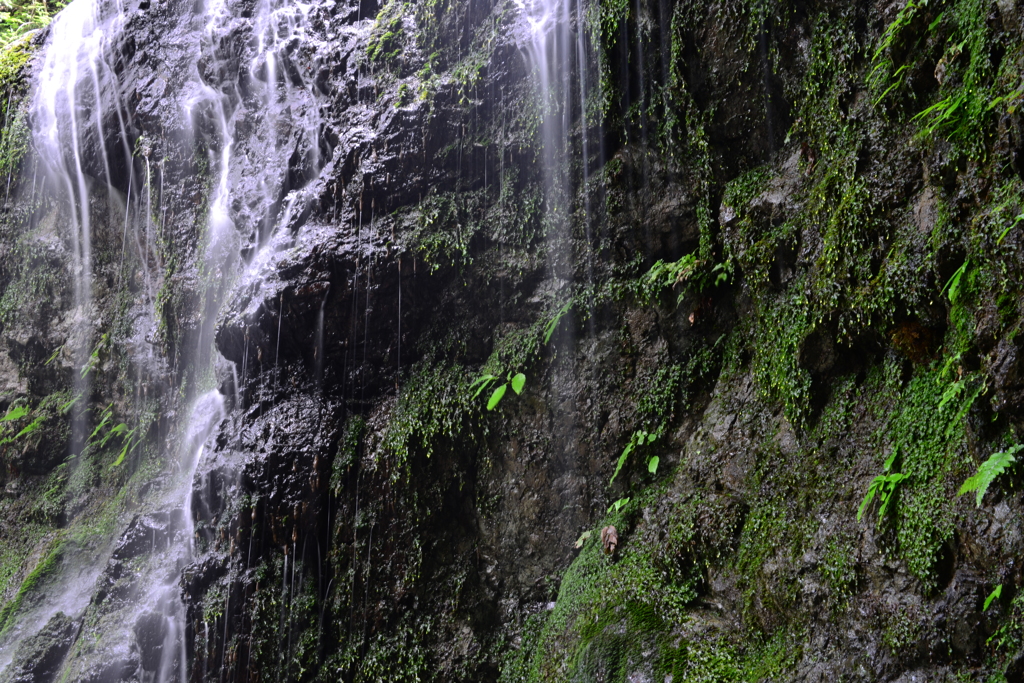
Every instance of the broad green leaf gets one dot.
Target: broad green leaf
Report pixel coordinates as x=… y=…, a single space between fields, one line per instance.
x=652 y=464
x=994 y=595
x=953 y=285
x=891 y=459
x=15 y=413
x=618 y=505
x=868 y=497
x=583 y=538
x=122 y=454
x=888 y=491
x=496 y=396
x=518 y=382
x=622 y=461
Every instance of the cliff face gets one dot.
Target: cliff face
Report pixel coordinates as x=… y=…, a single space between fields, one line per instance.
x=748 y=276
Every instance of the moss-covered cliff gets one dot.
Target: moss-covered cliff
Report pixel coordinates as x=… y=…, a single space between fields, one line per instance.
x=770 y=339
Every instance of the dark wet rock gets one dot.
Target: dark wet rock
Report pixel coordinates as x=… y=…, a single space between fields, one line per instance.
x=149 y=534
x=39 y=658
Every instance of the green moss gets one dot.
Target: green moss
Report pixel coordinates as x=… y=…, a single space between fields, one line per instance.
x=348 y=450
x=435 y=406
x=445 y=225
x=15 y=549
x=39 y=280
x=839 y=568
x=928 y=432
x=385 y=44
x=32 y=582
x=783 y=322
x=618 y=615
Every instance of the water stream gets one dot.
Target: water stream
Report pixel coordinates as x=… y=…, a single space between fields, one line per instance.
x=84 y=139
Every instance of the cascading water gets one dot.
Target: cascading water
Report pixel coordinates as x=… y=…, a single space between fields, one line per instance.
x=76 y=92
x=84 y=138
x=559 y=57
x=75 y=100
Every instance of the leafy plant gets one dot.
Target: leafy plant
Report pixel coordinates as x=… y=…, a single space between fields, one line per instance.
x=98 y=439
x=884 y=486
x=969 y=387
x=94 y=357
x=14 y=413
x=552 y=325
x=639 y=438
x=880 y=75
x=994 y=595
x=953 y=285
x=989 y=471
x=517 y=382
x=618 y=505
x=662 y=275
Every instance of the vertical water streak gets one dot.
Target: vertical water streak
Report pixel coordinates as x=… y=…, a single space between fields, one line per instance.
x=75 y=88
x=556 y=53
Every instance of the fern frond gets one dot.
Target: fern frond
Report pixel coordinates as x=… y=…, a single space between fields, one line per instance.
x=989 y=471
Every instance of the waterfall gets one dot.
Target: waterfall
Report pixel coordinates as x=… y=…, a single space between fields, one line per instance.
x=558 y=55
x=551 y=51
x=248 y=70
x=75 y=98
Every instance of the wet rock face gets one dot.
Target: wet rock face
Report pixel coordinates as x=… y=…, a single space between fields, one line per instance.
x=39 y=659
x=361 y=515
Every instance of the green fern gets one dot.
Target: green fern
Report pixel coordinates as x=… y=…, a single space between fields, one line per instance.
x=884 y=486
x=989 y=471
x=639 y=438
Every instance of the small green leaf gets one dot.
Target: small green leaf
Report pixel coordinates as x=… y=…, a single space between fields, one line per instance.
x=953 y=285
x=651 y=438
x=518 y=382
x=481 y=383
x=622 y=461
x=618 y=505
x=496 y=396
x=652 y=464
x=994 y=595
x=583 y=538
